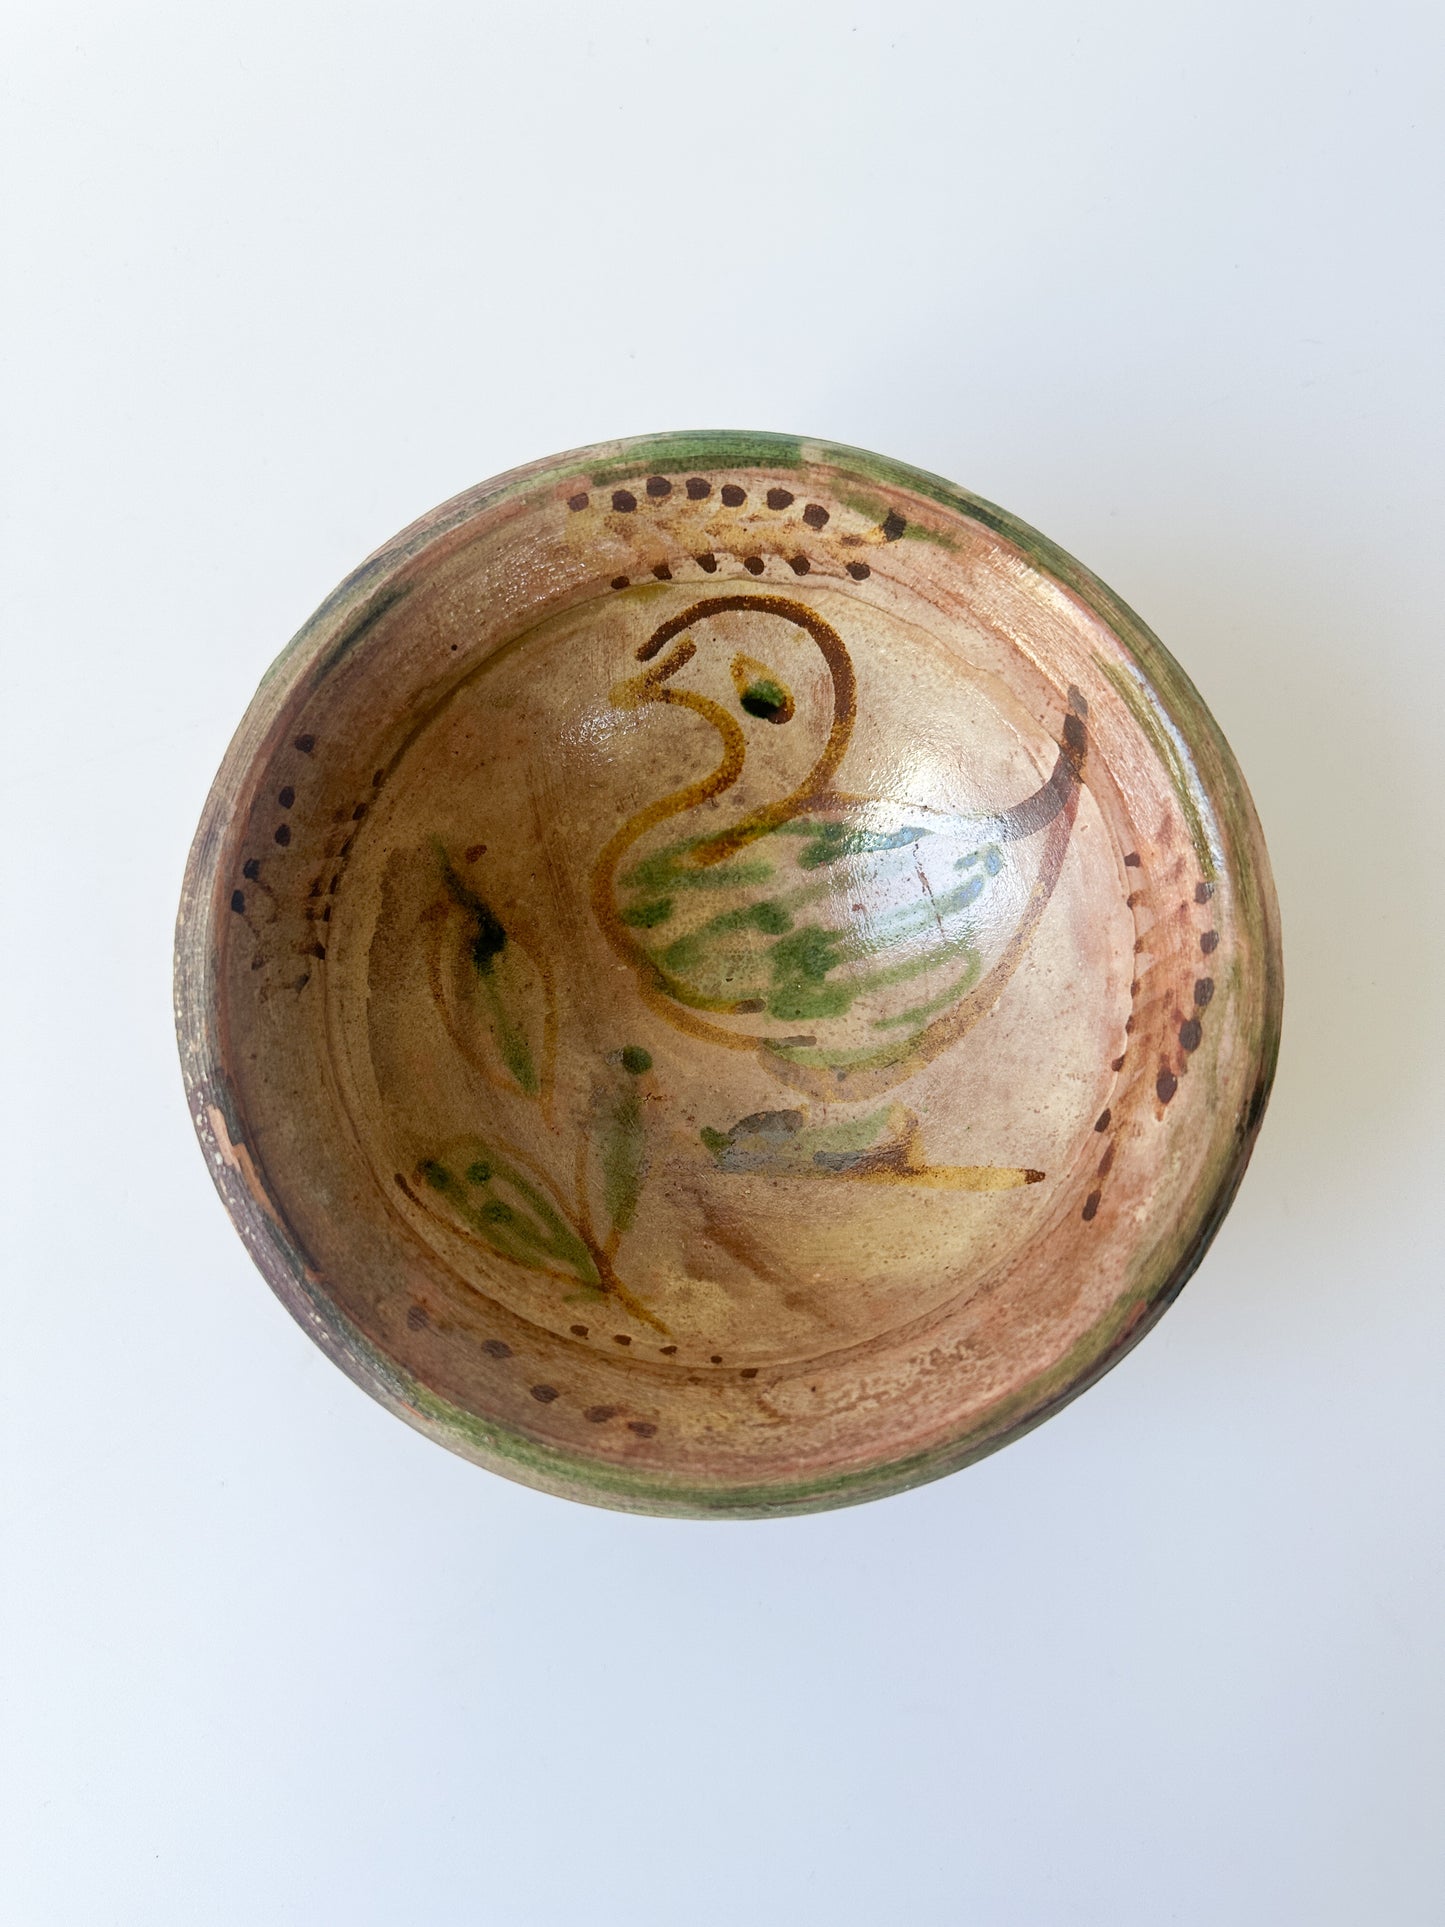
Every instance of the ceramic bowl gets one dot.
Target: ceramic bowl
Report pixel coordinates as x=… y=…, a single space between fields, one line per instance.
x=723 y=975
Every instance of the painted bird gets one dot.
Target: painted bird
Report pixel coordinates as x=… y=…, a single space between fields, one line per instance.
x=844 y=939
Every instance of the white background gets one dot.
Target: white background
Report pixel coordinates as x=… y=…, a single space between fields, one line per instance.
x=1163 y=279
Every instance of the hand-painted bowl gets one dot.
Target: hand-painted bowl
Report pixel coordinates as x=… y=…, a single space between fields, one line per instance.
x=723 y=975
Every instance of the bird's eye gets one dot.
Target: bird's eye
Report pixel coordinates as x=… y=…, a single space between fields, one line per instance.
x=760 y=691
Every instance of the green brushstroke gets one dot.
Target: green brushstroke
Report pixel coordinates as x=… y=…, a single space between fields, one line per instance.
x=759 y=954
x=646 y=916
x=694 y=454
x=515 y=1051
x=1181 y=778
x=624 y=1158
x=920 y=1013
x=874 y=509
x=666 y=870
x=827 y=841
x=506 y=1210
x=487 y=943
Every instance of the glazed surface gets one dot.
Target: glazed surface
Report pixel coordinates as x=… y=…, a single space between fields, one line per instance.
x=720 y=975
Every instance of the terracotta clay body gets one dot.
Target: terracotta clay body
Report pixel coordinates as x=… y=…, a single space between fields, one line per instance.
x=724 y=975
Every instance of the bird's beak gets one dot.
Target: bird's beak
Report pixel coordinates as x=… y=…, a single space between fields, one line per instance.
x=634 y=691
x=631 y=693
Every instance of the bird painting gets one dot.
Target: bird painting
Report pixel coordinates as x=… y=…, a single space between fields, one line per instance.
x=845 y=940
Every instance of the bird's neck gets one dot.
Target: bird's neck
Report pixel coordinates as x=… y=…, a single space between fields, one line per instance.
x=819 y=778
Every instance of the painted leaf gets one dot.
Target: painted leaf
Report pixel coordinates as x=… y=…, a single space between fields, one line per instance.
x=497 y=1202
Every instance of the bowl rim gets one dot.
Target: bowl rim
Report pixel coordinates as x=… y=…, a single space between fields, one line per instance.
x=1179 y=714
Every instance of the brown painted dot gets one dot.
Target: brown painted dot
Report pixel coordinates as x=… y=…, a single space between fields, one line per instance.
x=251 y=869
x=1132 y=861
x=1091 y=1205
x=716 y=1358
x=893 y=526
x=317 y=950
x=331 y=887
x=1203 y=892
x=1209 y=942
x=1203 y=991
x=1134 y=897
x=474 y=850
x=642 y=1428
x=708 y=562
x=305 y=744
x=575 y=502
x=668 y=1351
x=748 y=1371
x=416 y=1318
x=732 y=495
x=378 y=777
x=624 y=501
x=578 y=1331
x=1118 y=1063
x=238 y=901
x=799 y=564
x=599 y=1414
x=815 y=515
x=859 y=571
x=658 y=487
x=544 y=1394
x=619 y=582
x=283 y=834
x=1166 y=1085
x=621 y=1338
x=1104 y=1119
x=698 y=488
x=753 y=564
x=286 y=796
x=780 y=498
x=1129 y=1025
x=1191 y=1033
x=495 y=1348
x=1107 y=1159
x=662 y=572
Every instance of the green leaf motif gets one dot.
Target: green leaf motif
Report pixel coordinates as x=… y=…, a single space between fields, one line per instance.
x=493 y=1199
x=624 y=1140
x=501 y=975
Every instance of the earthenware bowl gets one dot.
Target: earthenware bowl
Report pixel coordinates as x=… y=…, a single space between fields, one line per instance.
x=723 y=975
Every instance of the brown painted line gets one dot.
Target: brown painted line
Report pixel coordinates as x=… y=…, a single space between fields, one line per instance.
x=938 y=1177
x=648 y=688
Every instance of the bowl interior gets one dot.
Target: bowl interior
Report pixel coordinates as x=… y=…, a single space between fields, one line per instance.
x=723 y=979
